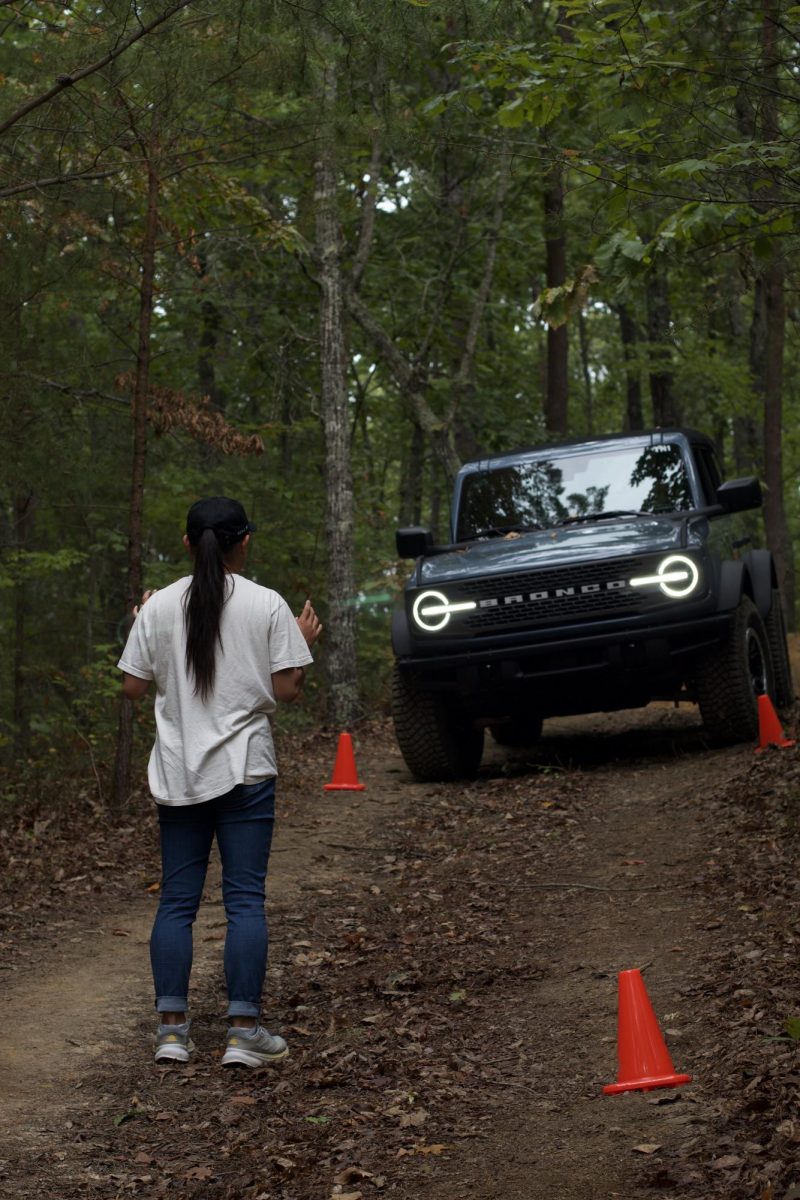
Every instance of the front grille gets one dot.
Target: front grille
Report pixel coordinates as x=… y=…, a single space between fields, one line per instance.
x=549 y=596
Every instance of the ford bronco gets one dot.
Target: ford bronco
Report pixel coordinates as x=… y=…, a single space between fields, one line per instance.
x=580 y=577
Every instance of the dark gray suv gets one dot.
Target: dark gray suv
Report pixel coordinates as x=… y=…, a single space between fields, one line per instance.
x=582 y=577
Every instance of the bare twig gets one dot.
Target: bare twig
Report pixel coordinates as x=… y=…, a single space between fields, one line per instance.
x=591 y=887
x=94 y=765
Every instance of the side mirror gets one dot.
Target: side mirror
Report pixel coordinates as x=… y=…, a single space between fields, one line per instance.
x=413 y=542
x=738 y=495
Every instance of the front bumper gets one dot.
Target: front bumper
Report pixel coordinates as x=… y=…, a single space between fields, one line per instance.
x=640 y=659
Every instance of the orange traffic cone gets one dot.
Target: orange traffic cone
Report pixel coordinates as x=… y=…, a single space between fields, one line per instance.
x=770 y=731
x=345 y=775
x=644 y=1061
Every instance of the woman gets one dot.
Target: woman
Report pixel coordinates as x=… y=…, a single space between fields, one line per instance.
x=221 y=651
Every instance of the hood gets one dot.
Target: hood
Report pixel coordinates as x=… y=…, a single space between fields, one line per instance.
x=620 y=537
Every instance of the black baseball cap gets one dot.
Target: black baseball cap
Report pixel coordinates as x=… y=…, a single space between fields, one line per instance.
x=226 y=517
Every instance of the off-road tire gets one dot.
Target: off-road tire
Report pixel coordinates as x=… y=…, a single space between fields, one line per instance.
x=436 y=740
x=781 y=667
x=519 y=731
x=730 y=679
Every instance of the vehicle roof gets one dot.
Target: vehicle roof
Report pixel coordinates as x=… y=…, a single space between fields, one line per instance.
x=656 y=437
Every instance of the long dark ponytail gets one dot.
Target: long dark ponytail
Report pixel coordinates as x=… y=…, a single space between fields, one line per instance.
x=203 y=611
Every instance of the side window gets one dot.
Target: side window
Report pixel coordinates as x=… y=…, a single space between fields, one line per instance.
x=708 y=469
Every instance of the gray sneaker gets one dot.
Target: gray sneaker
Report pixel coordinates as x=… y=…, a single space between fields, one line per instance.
x=173 y=1043
x=253 y=1048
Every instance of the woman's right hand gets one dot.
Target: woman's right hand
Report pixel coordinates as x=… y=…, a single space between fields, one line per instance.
x=309 y=624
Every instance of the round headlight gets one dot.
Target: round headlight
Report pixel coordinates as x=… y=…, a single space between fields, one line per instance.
x=677 y=576
x=432 y=610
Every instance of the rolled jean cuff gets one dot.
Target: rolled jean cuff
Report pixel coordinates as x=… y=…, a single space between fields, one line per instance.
x=243 y=1008
x=172 y=1004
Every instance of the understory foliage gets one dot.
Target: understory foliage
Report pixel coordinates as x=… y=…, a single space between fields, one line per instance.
x=668 y=132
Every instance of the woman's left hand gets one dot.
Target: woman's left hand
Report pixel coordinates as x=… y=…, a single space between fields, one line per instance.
x=138 y=607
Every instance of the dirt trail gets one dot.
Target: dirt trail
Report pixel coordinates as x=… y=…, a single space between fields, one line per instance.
x=84 y=1002
x=643 y=843
x=618 y=894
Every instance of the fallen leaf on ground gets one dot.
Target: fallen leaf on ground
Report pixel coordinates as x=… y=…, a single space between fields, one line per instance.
x=647 y=1148
x=352 y=1175
x=726 y=1162
x=418 y=1117
x=199 y=1173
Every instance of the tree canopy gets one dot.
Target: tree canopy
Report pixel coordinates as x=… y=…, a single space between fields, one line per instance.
x=505 y=222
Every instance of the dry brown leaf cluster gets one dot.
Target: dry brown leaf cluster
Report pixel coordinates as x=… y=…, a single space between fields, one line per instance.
x=168 y=410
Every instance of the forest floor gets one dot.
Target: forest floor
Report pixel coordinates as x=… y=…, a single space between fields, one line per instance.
x=444 y=966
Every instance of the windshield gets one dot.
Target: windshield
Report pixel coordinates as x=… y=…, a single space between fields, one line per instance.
x=563 y=487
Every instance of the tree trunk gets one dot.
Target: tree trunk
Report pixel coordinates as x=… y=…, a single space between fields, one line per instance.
x=122 y=762
x=628 y=331
x=666 y=410
x=24 y=505
x=583 y=335
x=343 y=702
x=211 y=320
x=556 y=396
x=412 y=478
x=768 y=375
x=745 y=444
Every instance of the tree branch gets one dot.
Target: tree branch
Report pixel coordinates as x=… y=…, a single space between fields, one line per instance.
x=409 y=384
x=482 y=295
x=34 y=185
x=367 y=229
x=65 y=81
x=68 y=390
x=394 y=359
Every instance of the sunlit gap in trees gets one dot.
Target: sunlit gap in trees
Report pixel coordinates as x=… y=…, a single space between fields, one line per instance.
x=389 y=198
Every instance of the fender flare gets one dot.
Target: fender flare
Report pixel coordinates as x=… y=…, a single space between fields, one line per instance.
x=401 y=634
x=761 y=570
x=731 y=585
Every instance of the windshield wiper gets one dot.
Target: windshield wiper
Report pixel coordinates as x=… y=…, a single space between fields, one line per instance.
x=502 y=530
x=603 y=516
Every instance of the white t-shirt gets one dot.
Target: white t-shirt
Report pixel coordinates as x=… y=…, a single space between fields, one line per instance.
x=205 y=748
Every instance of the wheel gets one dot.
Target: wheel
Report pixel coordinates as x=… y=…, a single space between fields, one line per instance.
x=779 y=650
x=518 y=731
x=435 y=738
x=730 y=680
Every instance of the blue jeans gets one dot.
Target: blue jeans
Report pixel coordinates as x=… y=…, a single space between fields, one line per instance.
x=242 y=820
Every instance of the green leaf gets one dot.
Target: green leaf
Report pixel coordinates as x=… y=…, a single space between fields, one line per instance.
x=782 y=224
x=792 y=1027
x=512 y=115
x=434 y=107
x=687 y=168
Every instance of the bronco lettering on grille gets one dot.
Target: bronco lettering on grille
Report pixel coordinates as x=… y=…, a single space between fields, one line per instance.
x=559 y=593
